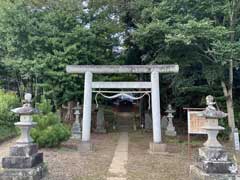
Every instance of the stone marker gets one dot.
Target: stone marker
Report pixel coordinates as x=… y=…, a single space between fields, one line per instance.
x=148 y=122
x=76 y=128
x=213 y=162
x=164 y=123
x=170 y=131
x=24 y=162
x=100 y=121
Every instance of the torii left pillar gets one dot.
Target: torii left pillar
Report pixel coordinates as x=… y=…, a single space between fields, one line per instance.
x=156 y=146
x=86 y=145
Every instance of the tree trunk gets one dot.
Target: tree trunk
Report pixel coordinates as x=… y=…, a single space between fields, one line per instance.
x=229 y=102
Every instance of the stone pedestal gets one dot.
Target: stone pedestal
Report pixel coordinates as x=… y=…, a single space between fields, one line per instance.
x=76 y=131
x=85 y=147
x=170 y=131
x=100 y=122
x=34 y=173
x=215 y=161
x=24 y=163
x=155 y=148
x=197 y=174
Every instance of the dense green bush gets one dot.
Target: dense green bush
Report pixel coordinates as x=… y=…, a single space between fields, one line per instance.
x=8 y=100
x=50 y=132
x=7 y=132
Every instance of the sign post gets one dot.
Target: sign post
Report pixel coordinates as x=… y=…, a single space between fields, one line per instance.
x=236 y=140
x=195 y=123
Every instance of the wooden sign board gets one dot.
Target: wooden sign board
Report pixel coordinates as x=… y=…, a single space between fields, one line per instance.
x=195 y=122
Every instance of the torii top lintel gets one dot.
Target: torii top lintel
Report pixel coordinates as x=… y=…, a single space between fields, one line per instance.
x=108 y=69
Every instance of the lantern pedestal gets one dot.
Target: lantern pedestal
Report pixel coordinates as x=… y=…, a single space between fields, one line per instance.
x=198 y=174
x=24 y=161
x=76 y=130
x=35 y=173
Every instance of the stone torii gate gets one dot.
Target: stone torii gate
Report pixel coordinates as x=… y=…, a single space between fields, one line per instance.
x=153 y=85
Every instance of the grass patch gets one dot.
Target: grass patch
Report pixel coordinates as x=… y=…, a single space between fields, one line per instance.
x=7 y=133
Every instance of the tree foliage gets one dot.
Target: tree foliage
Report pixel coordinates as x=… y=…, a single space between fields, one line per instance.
x=39 y=38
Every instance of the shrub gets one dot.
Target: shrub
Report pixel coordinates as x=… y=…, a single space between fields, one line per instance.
x=49 y=132
x=8 y=101
x=7 y=132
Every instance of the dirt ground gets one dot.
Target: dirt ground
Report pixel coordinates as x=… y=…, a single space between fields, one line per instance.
x=66 y=163
x=171 y=166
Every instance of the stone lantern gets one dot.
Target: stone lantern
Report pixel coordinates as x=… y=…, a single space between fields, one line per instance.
x=24 y=161
x=213 y=162
x=170 y=131
x=76 y=128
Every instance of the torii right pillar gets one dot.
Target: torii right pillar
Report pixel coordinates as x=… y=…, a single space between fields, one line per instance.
x=156 y=146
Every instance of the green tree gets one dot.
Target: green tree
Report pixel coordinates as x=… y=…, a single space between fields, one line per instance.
x=203 y=37
x=38 y=40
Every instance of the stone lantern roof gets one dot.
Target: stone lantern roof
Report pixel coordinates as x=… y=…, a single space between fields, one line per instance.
x=169 y=109
x=26 y=109
x=77 y=109
x=210 y=112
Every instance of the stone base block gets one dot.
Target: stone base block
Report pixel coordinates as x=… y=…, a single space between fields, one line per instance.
x=85 y=147
x=71 y=144
x=170 y=133
x=148 y=130
x=24 y=150
x=197 y=174
x=35 y=173
x=155 y=148
x=18 y=162
x=216 y=166
x=100 y=130
x=213 y=154
x=76 y=136
x=76 y=128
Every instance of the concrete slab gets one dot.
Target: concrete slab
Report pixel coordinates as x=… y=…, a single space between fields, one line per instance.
x=117 y=168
